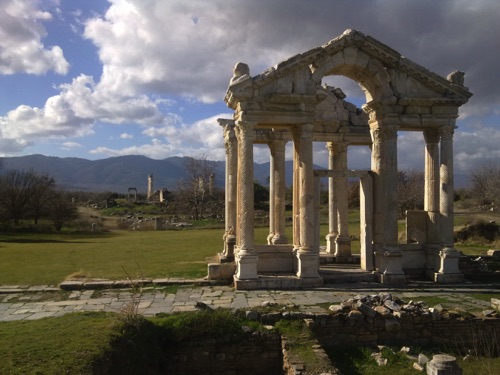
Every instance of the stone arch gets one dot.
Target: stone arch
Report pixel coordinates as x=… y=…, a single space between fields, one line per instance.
x=286 y=102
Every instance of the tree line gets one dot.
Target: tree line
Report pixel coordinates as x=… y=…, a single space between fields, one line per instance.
x=27 y=195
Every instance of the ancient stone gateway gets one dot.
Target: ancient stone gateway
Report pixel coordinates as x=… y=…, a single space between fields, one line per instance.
x=287 y=103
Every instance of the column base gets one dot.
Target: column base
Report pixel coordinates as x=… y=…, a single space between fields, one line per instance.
x=279 y=239
x=330 y=243
x=448 y=278
x=343 y=247
x=390 y=278
x=246 y=263
x=308 y=264
x=390 y=267
x=225 y=258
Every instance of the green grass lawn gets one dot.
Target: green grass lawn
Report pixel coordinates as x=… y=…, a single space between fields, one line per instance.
x=50 y=258
x=38 y=258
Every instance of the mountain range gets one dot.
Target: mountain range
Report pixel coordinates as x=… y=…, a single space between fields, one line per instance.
x=117 y=174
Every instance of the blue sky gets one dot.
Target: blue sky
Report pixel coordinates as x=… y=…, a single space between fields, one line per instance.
x=95 y=78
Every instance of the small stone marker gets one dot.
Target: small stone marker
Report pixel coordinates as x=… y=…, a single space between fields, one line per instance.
x=443 y=364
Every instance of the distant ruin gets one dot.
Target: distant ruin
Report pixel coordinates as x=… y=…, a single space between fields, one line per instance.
x=289 y=103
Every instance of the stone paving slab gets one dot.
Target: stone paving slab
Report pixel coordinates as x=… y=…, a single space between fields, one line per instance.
x=24 y=303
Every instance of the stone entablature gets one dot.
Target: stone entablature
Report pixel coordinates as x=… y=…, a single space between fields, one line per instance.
x=287 y=103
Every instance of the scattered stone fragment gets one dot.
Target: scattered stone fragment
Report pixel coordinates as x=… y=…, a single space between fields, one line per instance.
x=422 y=359
x=488 y=313
x=366 y=310
x=390 y=304
x=336 y=308
x=418 y=367
x=382 y=310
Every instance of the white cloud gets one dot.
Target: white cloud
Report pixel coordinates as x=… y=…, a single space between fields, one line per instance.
x=21 y=34
x=68 y=146
x=126 y=136
x=178 y=139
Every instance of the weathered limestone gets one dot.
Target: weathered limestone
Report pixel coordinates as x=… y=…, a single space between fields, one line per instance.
x=231 y=146
x=443 y=364
x=278 y=191
x=307 y=255
x=245 y=252
x=332 y=202
x=288 y=103
x=448 y=270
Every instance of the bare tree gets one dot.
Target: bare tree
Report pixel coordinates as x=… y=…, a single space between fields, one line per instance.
x=61 y=209
x=195 y=190
x=486 y=184
x=16 y=188
x=41 y=193
x=410 y=191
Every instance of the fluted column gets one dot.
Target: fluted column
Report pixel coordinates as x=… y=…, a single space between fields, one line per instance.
x=246 y=257
x=307 y=255
x=296 y=193
x=343 y=241
x=449 y=256
x=332 y=201
x=272 y=194
x=231 y=145
x=446 y=192
x=385 y=168
x=279 y=191
x=388 y=256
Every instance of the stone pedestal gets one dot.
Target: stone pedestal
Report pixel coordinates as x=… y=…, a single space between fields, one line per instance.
x=449 y=271
x=330 y=243
x=343 y=247
x=246 y=265
x=229 y=244
x=443 y=364
x=308 y=264
x=391 y=271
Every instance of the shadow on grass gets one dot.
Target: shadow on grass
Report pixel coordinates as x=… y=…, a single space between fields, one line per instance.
x=36 y=238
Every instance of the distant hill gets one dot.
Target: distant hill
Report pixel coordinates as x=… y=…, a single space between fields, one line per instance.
x=117 y=174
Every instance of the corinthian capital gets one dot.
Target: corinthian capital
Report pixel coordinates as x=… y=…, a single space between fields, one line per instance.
x=447 y=132
x=432 y=136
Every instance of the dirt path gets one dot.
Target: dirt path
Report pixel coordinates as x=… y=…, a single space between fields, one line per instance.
x=92 y=215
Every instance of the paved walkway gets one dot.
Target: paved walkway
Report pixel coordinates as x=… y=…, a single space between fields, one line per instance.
x=18 y=303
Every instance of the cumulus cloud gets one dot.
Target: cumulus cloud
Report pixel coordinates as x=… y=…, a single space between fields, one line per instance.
x=21 y=34
x=126 y=136
x=153 y=52
x=177 y=139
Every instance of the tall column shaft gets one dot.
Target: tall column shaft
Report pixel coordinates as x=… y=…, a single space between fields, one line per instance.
x=343 y=242
x=446 y=192
x=432 y=180
x=246 y=258
x=296 y=193
x=231 y=145
x=307 y=255
x=332 y=201
x=279 y=192
x=272 y=193
x=385 y=170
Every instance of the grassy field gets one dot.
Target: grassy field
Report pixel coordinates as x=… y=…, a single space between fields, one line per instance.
x=38 y=258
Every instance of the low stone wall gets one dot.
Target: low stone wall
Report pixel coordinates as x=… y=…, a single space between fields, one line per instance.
x=260 y=353
x=357 y=329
